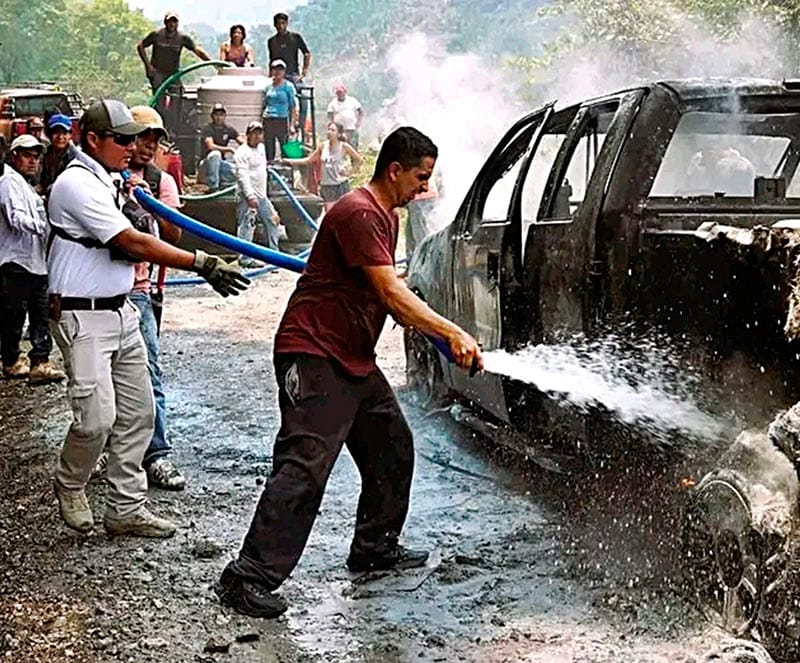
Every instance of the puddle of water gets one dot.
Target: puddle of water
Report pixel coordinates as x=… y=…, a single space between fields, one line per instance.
x=643 y=383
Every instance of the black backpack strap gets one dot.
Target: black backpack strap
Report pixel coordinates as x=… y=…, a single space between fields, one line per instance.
x=87 y=242
x=152 y=175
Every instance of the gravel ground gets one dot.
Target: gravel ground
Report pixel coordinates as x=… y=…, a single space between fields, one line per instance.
x=526 y=565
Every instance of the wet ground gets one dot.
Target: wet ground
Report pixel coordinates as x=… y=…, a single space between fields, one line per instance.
x=528 y=565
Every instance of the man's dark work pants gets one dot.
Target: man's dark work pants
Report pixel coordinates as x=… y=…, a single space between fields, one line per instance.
x=323 y=408
x=22 y=292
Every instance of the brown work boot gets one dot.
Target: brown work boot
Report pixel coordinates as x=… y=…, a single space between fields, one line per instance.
x=45 y=373
x=20 y=369
x=141 y=523
x=74 y=509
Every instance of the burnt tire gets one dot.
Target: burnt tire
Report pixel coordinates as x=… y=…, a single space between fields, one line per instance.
x=730 y=561
x=722 y=567
x=423 y=371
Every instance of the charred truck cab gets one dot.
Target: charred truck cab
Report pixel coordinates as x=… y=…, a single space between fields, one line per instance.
x=672 y=205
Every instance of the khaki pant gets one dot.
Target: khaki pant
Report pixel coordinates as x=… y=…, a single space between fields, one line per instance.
x=112 y=400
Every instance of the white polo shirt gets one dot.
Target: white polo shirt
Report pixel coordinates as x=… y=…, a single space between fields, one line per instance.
x=83 y=204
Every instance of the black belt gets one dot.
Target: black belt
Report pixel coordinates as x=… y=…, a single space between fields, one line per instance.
x=89 y=304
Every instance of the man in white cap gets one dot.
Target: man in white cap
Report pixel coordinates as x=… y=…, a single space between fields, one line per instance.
x=161 y=472
x=252 y=205
x=91 y=270
x=23 y=267
x=165 y=60
x=347 y=111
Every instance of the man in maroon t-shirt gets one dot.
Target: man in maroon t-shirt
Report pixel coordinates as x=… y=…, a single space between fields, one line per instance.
x=331 y=392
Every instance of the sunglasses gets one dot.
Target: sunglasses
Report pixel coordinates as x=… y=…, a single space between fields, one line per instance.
x=119 y=139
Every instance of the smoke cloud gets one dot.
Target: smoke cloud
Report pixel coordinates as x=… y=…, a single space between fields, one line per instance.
x=465 y=103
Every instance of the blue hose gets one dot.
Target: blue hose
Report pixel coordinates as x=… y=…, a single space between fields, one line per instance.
x=293 y=199
x=250 y=274
x=282 y=260
x=444 y=349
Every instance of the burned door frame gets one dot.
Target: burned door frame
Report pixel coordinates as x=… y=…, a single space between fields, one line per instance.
x=477 y=257
x=560 y=252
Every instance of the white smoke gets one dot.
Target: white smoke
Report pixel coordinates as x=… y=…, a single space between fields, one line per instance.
x=688 y=50
x=460 y=101
x=465 y=103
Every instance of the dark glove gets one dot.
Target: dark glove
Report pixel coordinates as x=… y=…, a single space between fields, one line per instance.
x=226 y=278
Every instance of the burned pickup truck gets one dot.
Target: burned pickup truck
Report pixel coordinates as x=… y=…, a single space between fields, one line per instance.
x=676 y=205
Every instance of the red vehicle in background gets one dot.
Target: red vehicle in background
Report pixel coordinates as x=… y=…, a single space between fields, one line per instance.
x=18 y=104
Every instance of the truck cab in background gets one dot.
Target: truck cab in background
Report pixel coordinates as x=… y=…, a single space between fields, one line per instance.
x=26 y=100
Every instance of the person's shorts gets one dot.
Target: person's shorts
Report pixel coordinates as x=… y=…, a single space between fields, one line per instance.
x=332 y=192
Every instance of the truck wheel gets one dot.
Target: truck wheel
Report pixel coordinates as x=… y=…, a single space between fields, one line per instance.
x=726 y=552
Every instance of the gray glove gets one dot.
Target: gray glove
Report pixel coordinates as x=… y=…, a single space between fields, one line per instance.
x=226 y=278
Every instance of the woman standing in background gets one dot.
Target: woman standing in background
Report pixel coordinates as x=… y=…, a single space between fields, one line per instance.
x=333 y=153
x=280 y=109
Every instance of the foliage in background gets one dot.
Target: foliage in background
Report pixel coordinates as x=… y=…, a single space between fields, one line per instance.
x=31 y=35
x=90 y=44
x=652 y=35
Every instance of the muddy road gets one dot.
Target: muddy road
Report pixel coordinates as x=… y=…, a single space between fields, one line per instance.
x=527 y=565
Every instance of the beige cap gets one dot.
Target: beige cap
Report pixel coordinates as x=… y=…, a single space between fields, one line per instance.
x=26 y=142
x=170 y=15
x=149 y=118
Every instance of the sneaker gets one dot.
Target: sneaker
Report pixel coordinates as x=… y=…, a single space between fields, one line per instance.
x=399 y=557
x=75 y=509
x=45 y=373
x=141 y=523
x=247 y=597
x=20 y=369
x=100 y=467
x=784 y=433
x=163 y=474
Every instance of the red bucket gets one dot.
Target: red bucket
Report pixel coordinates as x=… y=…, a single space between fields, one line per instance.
x=175 y=168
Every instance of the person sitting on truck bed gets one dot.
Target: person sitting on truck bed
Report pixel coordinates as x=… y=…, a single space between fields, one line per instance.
x=216 y=142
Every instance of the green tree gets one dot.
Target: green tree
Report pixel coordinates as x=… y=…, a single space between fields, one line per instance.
x=99 y=58
x=639 y=30
x=31 y=35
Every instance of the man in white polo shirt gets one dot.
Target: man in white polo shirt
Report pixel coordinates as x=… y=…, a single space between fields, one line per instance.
x=91 y=267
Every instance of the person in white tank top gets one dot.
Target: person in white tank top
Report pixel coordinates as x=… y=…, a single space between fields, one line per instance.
x=334 y=153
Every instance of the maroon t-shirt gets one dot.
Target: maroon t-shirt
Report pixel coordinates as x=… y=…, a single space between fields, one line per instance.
x=334 y=311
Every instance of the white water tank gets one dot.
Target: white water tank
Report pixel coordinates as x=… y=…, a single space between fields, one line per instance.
x=239 y=89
